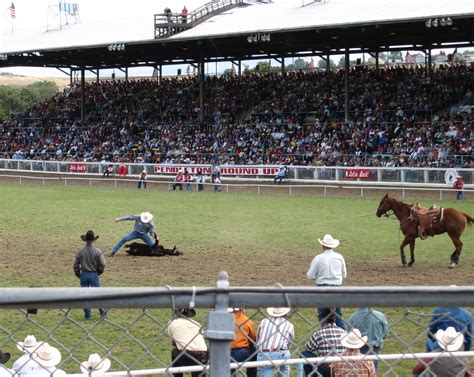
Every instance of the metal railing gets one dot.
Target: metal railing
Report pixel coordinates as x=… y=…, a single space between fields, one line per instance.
x=134 y=334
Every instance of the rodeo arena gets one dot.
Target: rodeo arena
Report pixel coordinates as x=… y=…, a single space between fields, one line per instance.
x=270 y=193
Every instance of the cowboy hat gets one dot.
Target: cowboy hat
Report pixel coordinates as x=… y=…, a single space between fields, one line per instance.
x=95 y=365
x=278 y=312
x=185 y=312
x=29 y=344
x=47 y=356
x=329 y=242
x=449 y=339
x=89 y=236
x=4 y=357
x=353 y=339
x=233 y=310
x=146 y=217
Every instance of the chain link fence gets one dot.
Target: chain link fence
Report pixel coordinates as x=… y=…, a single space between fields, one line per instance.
x=142 y=326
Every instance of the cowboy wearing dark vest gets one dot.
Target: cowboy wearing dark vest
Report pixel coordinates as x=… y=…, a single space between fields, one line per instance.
x=88 y=265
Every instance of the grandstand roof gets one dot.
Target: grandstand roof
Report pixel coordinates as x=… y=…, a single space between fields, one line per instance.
x=317 y=28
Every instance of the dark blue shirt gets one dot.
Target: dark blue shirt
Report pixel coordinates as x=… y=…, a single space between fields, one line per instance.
x=459 y=318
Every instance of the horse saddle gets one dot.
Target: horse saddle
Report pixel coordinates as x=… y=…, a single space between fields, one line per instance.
x=425 y=218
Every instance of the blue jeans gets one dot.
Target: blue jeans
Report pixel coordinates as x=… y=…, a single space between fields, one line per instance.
x=283 y=371
x=460 y=195
x=310 y=370
x=133 y=236
x=339 y=321
x=366 y=350
x=244 y=354
x=91 y=279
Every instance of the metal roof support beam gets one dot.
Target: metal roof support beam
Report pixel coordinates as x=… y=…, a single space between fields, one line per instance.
x=83 y=94
x=328 y=61
x=124 y=70
x=346 y=85
x=201 y=91
x=238 y=63
x=429 y=60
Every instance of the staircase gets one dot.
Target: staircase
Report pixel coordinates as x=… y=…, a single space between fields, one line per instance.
x=168 y=25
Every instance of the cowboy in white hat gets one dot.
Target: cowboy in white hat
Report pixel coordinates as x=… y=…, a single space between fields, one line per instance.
x=449 y=340
x=25 y=362
x=95 y=365
x=46 y=358
x=328 y=269
x=143 y=227
x=89 y=264
x=353 y=341
x=274 y=336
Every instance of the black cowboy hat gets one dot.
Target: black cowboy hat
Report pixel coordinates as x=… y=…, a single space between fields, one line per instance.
x=89 y=236
x=185 y=312
x=4 y=357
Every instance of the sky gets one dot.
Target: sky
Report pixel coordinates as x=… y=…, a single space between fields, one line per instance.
x=35 y=17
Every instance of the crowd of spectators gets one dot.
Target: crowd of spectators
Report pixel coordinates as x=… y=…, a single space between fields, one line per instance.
x=399 y=116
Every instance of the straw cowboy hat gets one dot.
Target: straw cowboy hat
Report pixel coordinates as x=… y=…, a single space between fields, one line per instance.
x=47 y=356
x=353 y=339
x=329 y=242
x=233 y=310
x=449 y=339
x=146 y=217
x=278 y=312
x=89 y=236
x=29 y=344
x=95 y=365
x=4 y=357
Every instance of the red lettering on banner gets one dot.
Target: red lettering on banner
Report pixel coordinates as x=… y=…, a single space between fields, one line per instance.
x=357 y=173
x=77 y=168
x=226 y=170
x=270 y=171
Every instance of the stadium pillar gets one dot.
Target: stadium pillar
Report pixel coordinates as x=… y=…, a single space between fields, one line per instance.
x=429 y=61
x=328 y=63
x=83 y=95
x=240 y=68
x=201 y=91
x=376 y=61
x=71 y=77
x=346 y=85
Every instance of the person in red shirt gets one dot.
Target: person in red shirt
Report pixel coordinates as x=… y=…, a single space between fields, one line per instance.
x=459 y=185
x=184 y=14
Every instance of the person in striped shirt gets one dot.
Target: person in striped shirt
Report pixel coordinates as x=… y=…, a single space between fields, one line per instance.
x=325 y=342
x=274 y=337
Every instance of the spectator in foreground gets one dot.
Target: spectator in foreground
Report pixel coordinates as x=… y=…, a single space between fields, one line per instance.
x=443 y=317
x=328 y=269
x=243 y=347
x=89 y=264
x=143 y=227
x=47 y=358
x=353 y=341
x=449 y=340
x=95 y=366
x=372 y=324
x=25 y=363
x=4 y=371
x=189 y=347
x=325 y=342
x=274 y=336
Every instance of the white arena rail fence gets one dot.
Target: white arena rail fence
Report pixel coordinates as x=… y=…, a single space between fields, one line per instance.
x=134 y=336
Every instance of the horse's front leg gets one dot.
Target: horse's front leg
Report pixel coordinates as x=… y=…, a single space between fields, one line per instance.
x=402 y=251
x=412 y=253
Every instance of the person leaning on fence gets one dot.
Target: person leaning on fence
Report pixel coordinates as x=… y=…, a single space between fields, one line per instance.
x=46 y=358
x=281 y=175
x=189 y=347
x=243 y=347
x=443 y=317
x=372 y=324
x=328 y=269
x=108 y=170
x=200 y=181
x=184 y=14
x=4 y=371
x=449 y=340
x=459 y=186
x=178 y=181
x=142 y=179
x=325 y=342
x=25 y=363
x=353 y=342
x=143 y=227
x=274 y=337
x=95 y=366
x=167 y=12
x=89 y=264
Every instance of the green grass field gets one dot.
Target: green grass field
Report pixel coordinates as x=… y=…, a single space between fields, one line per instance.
x=258 y=240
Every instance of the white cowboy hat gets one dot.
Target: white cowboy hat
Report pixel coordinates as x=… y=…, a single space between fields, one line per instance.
x=95 y=365
x=47 y=356
x=328 y=241
x=449 y=339
x=232 y=310
x=353 y=339
x=29 y=344
x=146 y=217
x=278 y=312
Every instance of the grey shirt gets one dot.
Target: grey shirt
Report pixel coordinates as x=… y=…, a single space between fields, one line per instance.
x=89 y=259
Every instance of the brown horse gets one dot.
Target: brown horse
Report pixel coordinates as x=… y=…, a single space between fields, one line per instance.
x=453 y=222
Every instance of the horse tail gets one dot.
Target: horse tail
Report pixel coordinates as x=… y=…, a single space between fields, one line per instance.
x=469 y=219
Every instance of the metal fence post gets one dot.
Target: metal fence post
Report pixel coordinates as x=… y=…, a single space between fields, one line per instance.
x=220 y=331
